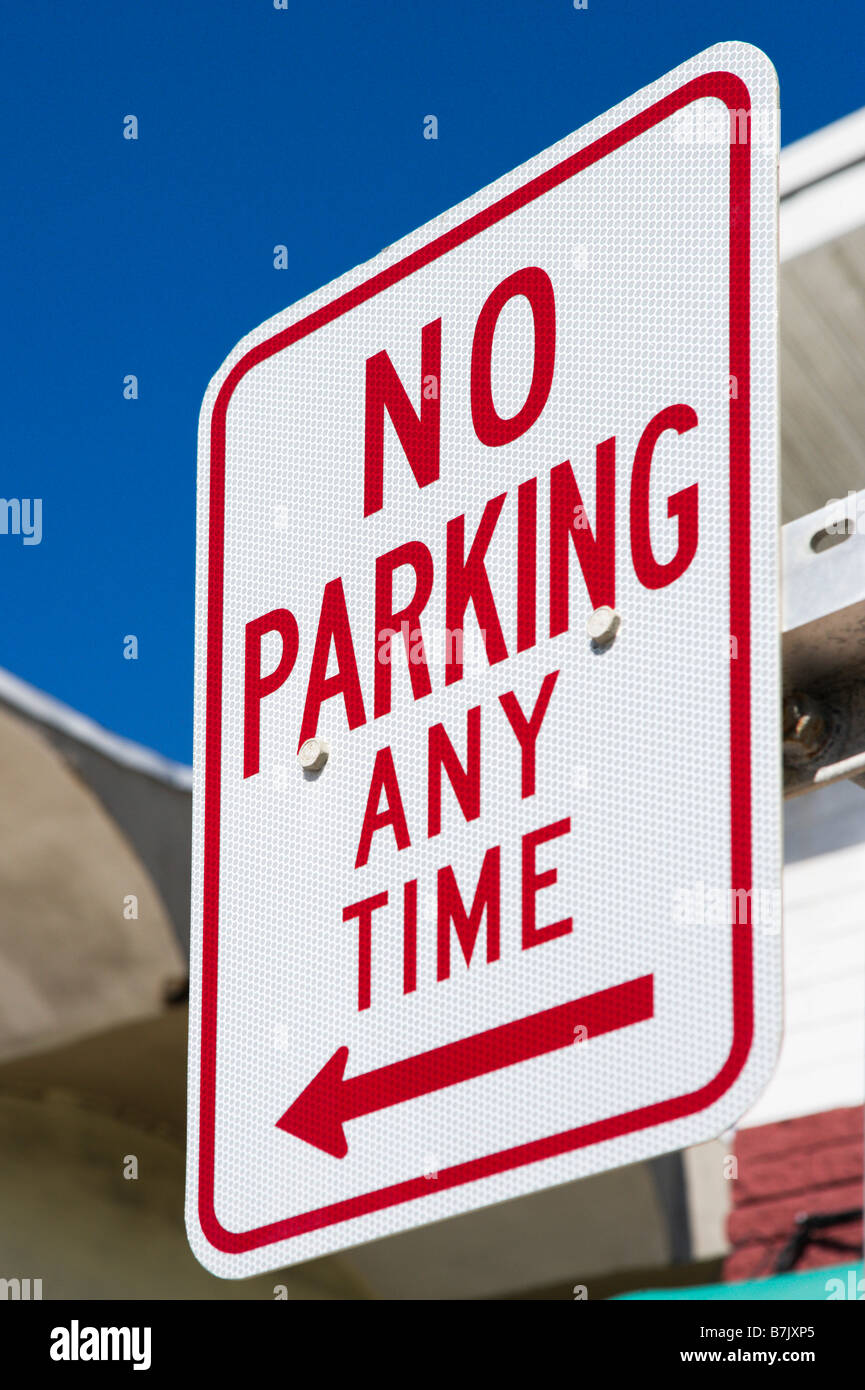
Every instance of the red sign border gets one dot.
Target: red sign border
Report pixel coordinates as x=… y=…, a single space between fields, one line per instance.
x=733 y=91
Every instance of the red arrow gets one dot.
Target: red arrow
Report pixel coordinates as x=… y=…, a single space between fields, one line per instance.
x=320 y=1111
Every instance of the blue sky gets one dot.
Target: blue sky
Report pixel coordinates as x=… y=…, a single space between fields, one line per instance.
x=257 y=126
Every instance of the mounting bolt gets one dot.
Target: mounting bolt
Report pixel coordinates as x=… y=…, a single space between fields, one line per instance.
x=602 y=625
x=313 y=754
x=806 y=731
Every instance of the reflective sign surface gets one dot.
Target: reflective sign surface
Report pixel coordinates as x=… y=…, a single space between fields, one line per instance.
x=487 y=865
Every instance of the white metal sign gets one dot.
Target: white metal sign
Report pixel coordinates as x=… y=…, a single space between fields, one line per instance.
x=487 y=778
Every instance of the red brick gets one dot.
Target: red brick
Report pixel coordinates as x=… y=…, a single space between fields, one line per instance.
x=765 y=1220
x=817 y=1256
x=808 y=1166
x=830 y=1126
x=801 y=1171
x=757 y=1260
x=754 y=1261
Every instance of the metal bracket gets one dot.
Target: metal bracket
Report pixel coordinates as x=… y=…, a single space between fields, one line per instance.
x=823 y=646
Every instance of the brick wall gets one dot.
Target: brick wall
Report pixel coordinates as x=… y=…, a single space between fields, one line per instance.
x=809 y=1165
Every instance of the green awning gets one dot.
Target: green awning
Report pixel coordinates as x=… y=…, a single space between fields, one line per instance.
x=839 y=1282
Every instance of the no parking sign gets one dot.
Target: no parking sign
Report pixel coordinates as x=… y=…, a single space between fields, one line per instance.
x=487 y=774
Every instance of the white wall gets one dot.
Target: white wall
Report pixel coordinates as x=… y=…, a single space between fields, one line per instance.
x=822 y=1061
